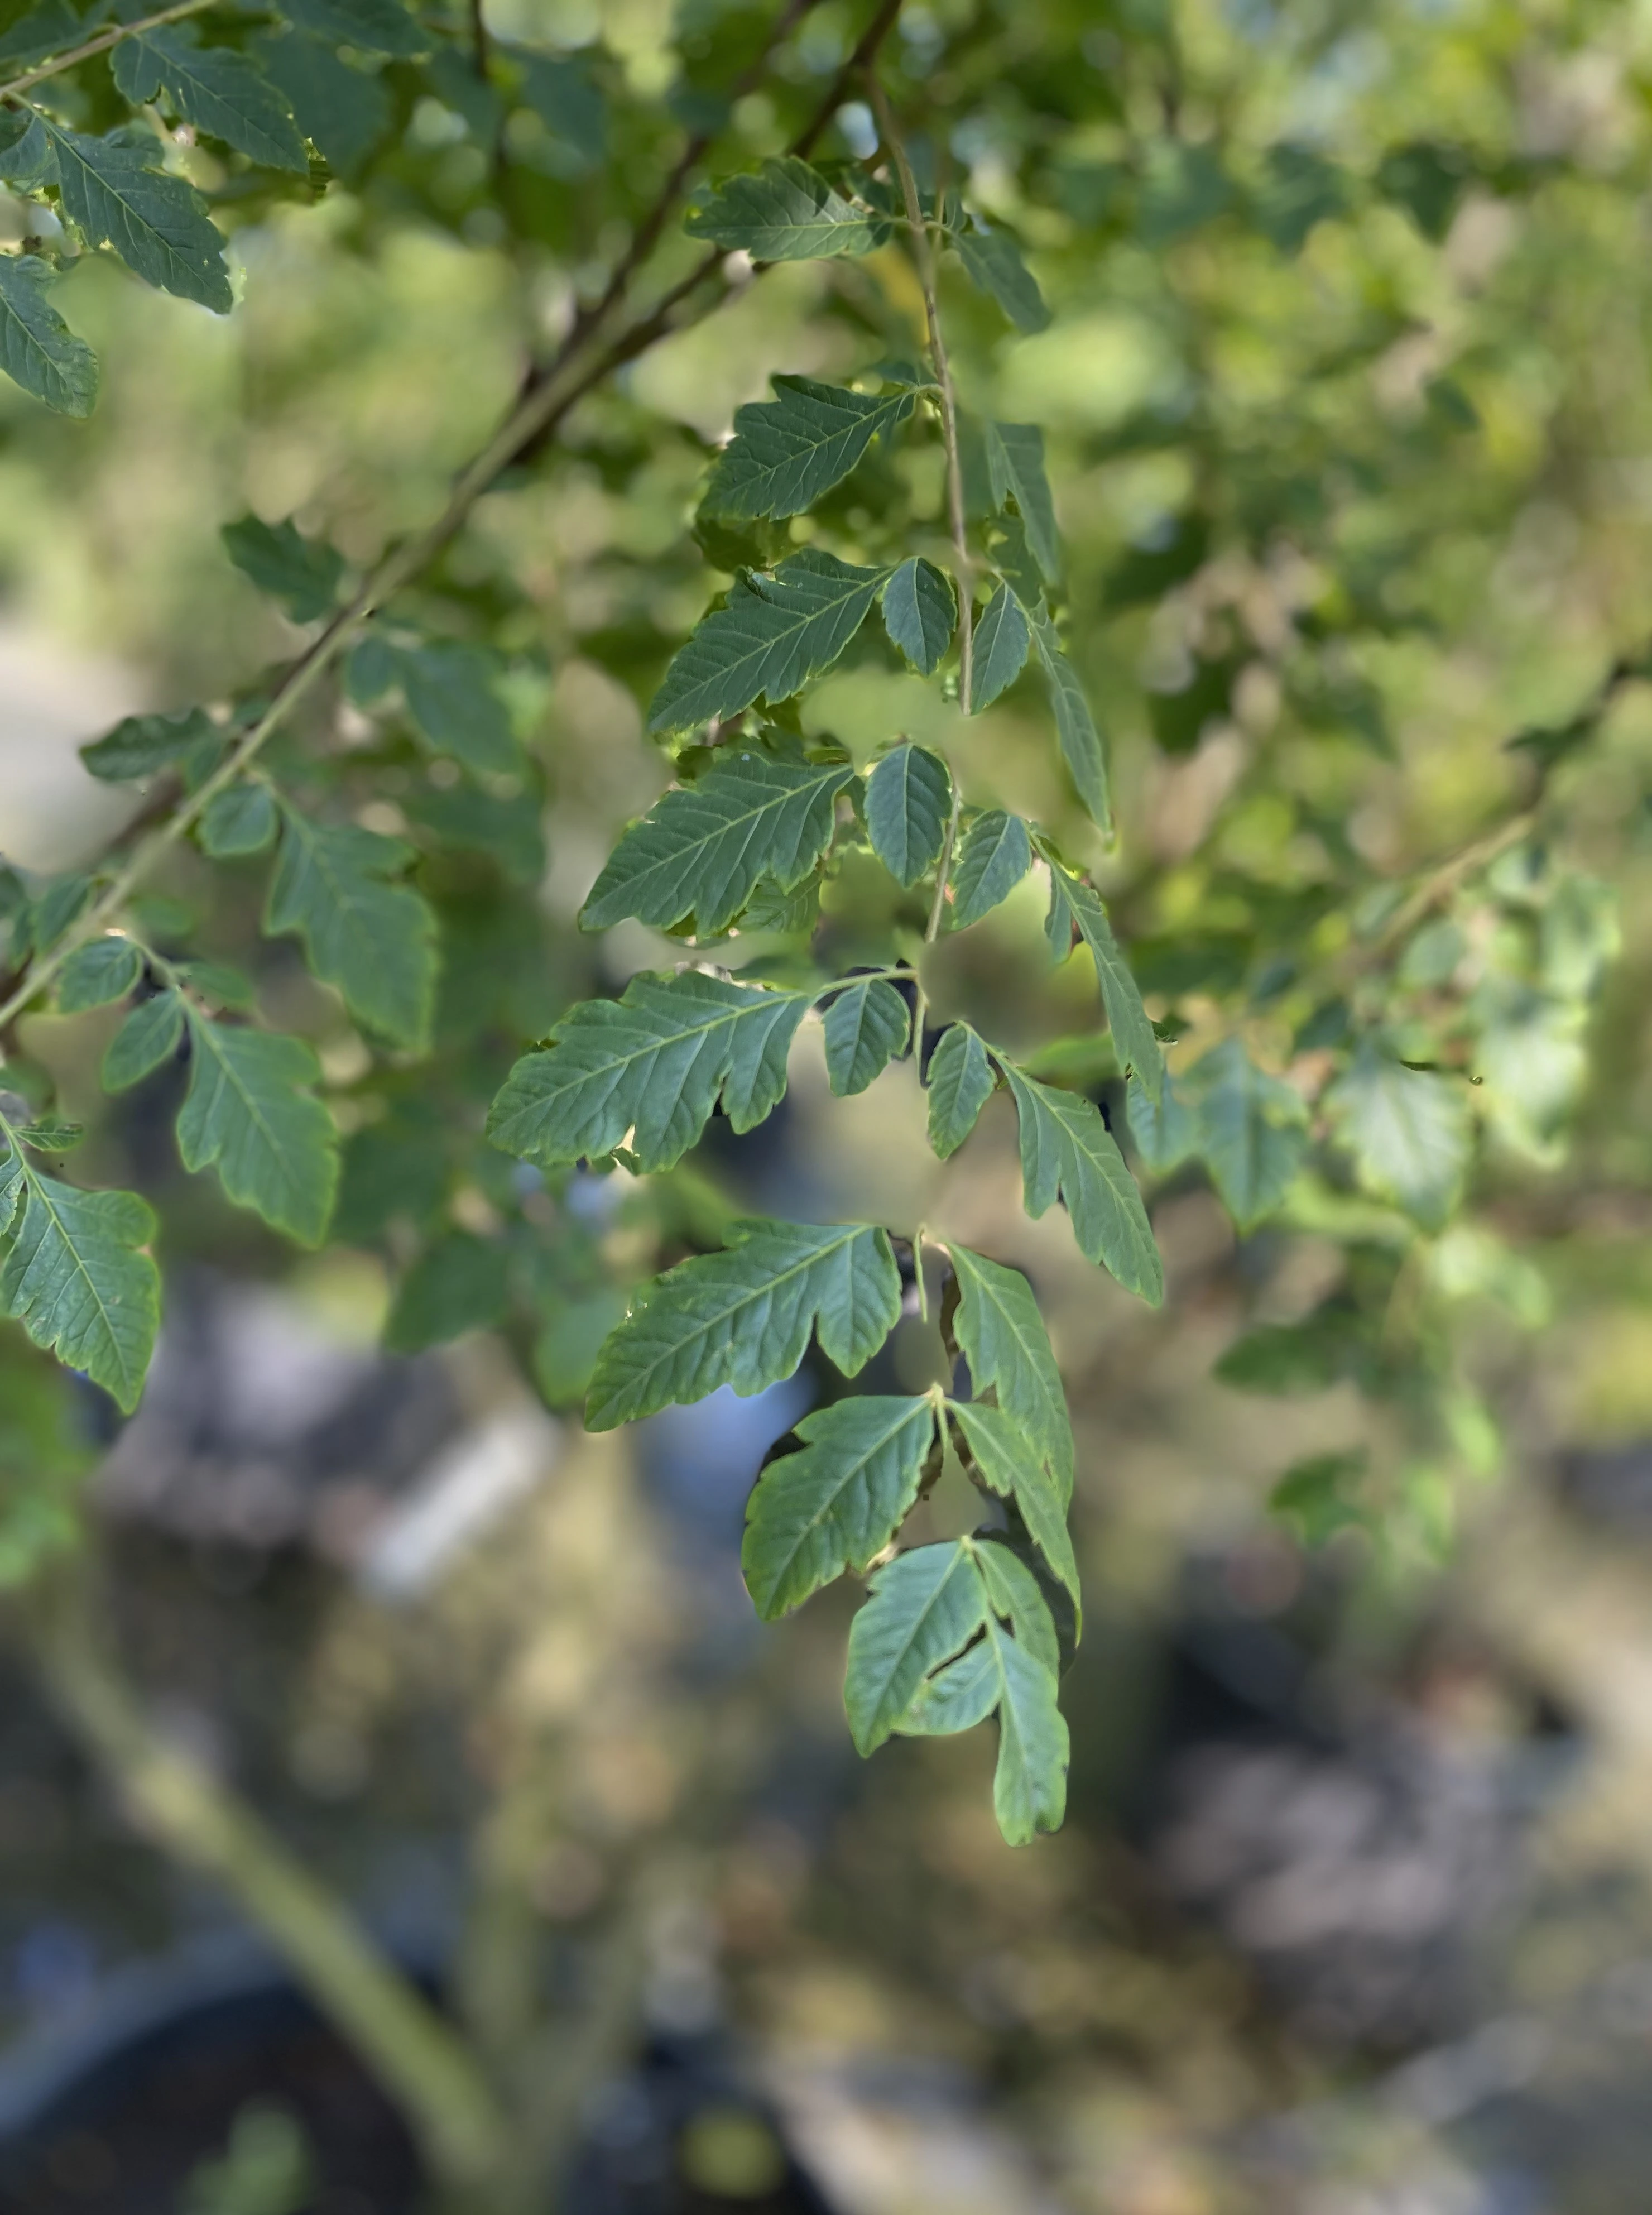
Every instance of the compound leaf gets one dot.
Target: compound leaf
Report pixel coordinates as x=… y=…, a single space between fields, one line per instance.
x=784 y=211
x=908 y=802
x=866 y=1026
x=1001 y=640
x=921 y=612
x=250 y=1114
x=1067 y=1150
x=703 y=850
x=773 y=632
x=743 y=1316
x=116 y=194
x=837 y=1503
x=74 y=1279
x=1004 y=1340
x=302 y=573
x=653 y=1063
x=38 y=350
x=373 y=940
x=961 y=1081
x=1075 y=906
x=786 y=451
x=219 y=90
x=993 y=855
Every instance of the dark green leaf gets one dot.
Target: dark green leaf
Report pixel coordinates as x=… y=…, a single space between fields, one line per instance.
x=743 y=1316
x=242 y=819
x=38 y=350
x=961 y=1081
x=1073 y=906
x=104 y=969
x=784 y=211
x=1004 y=1340
x=1015 y=467
x=141 y=745
x=459 y=1284
x=250 y=1115
x=508 y=830
x=302 y=573
x=219 y=91
x=374 y=941
x=653 y=1064
x=786 y=451
x=561 y=93
x=838 y=1502
x=1075 y=727
x=343 y=111
x=571 y=1334
x=921 y=613
x=994 y=264
x=993 y=855
x=217 y=980
x=774 y=634
x=372 y=26
x=1001 y=640
x=148 y=1035
x=865 y=1027
x=450 y=696
x=702 y=851
x=1067 y=1150
x=74 y=1280
x=116 y=194
x=909 y=803
x=53 y=910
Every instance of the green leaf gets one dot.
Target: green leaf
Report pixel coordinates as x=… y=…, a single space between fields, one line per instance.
x=993 y=855
x=921 y=613
x=1004 y=1340
x=53 y=910
x=1250 y=1132
x=74 y=1279
x=703 y=850
x=449 y=692
x=837 y=1503
x=1407 y=1129
x=343 y=111
x=1075 y=906
x=1067 y=1150
x=1001 y=640
x=961 y=1081
x=27 y=160
x=1166 y=1133
x=372 y=26
x=653 y=1063
x=784 y=211
x=38 y=350
x=148 y=1035
x=508 y=830
x=219 y=91
x=958 y=1696
x=993 y=262
x=1015 y=468
x=218 y=980
x=251 y=1115
x=1075 y=728
x=909 y=803
x=571 y=1336
x=786 y=451
x=302 y=573
x=141 y=745
x=104 y=969
x=394 y=1170
x=242 y=819
x=743 y=1317
x=563 y=94
x=1009 y=1464
x=866 y=1026
x=1310 y=1356
x=51 y=1137
x=773 y=633
x=116 y=194
x=374 y=941
x=1029 y=1782
x=922 y=1608
x=459 y=1284
x=1015 y=1594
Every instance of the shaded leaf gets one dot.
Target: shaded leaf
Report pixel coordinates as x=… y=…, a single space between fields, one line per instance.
x=784 y=211
x=459 y=1284
x=866 y=1026
x=449 y=692
x=1167 y=1132
x=773 y=633
x=1250 y=1132
x=837 y=1503
x=303 y=573
x=1075 y=727
x=993 y=262
x=72 y=1277
x=993 y=855
x=1067 y=1150
x=104 y=969
x=786 y=451
x=38 y=350
x=1015 y=468
x=961 y=1081
x=1407 y=1129
x=374 y=941
x=343 y=111
x=372 y=26
x=116 y=194
x=1009 y=1464
x=242 y=819
x=508 y=830
x=141 y=745
x=571 y=1336
x=908 y=802
x=1001 y=642
x=219 y=90
x=147 y=1037
x=921 y=613
x=250 y=1114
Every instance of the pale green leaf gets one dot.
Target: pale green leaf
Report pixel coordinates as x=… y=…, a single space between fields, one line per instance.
x=372 y=26
x=303 y=573
x=102 y=970
x=1165 y=1130
x=653 y=1064
x=1067 y=1150
x=784 y=211
x=219 y=90
x=148 y=1035
x=1251 y=1134
x=449 y=690
x=117 y=195
x=836 y=1504
x=141 y=745
x=242 y=819
x=961 y=1081
x=866 y=1025
x=1010 y=1464
x=1409 y=1131
x=772 y=636
x=72 y=1277
x=38 y=350
x=51 y=1136
x=743 y=1317
x=1005 y=1343
x=922 y=1608
x=703 y=850
x=786 y=451
x=251 y=1115
x=1001 y=640
x=459 y=1284
x=1073 y=906
x=908 y=801
x=921 y=613
x=993 y=855
x=374 y=941
x=1015 y=467
x=994 y=264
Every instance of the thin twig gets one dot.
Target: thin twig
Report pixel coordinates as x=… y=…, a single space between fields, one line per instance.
x=100 y=45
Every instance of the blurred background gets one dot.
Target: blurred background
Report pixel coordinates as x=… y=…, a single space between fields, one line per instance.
x=1346 y=399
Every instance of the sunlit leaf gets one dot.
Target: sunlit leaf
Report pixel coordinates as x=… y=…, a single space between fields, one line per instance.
x=786 y=451
x=772 y=634
x=837 y=1503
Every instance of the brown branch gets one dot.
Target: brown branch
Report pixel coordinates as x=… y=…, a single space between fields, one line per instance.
x=100 y=45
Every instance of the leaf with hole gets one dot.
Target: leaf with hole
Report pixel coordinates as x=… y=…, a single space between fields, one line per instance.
x=835 y=1504
x=743 y=1317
